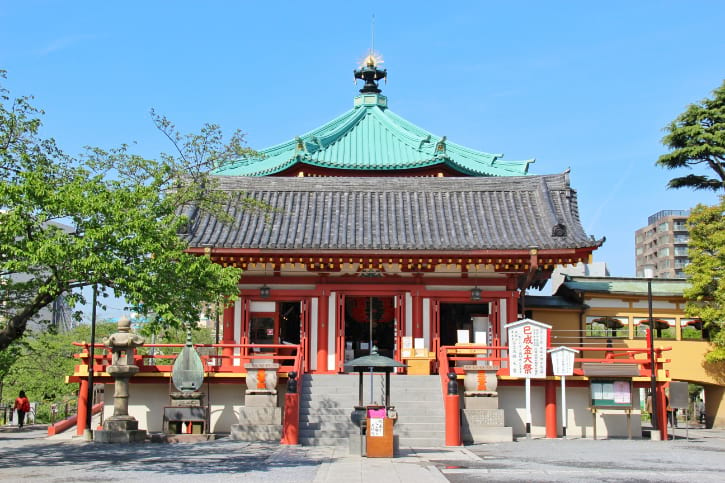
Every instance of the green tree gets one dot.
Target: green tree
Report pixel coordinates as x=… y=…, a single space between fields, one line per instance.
x=697 y=137
x=45 y=361
x=706 y=296
x=8 y=357
x=125 y=214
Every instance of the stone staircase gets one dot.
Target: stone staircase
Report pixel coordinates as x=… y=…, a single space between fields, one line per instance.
x=327 y=401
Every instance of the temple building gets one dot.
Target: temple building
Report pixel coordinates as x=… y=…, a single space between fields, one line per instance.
x=372 y=213
x=379 y=236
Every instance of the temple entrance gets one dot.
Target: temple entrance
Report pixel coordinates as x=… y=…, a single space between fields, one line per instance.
x=369 y=320
x=290 y=319
x=470 y=317
x=276 y=322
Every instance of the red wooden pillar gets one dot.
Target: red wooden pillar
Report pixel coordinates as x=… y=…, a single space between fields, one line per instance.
x=512 y=308
x=453 y=420
x=291 y=419
x=550 y=401
x=662 y=411
x=82 y=407
x=323 y=342
x=417 y=315
x=228 y=332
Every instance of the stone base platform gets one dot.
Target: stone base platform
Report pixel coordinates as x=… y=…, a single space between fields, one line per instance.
x=483 y=422
x=120 y=429
x=128 y=436
x=257 y=432
x=189 y=438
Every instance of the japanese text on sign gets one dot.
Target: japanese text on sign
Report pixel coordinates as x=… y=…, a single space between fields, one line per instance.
x=376 y=427
x=527 y=350
x=562 y=361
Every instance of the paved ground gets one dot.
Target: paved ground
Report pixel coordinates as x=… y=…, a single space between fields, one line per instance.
x=29 y=455
x=701 y=459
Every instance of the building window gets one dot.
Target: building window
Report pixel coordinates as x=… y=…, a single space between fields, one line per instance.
x=664 y=327
x=691 y=329
x=607 y=326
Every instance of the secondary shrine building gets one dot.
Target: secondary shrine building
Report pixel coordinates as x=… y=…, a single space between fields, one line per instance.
x=379 y=230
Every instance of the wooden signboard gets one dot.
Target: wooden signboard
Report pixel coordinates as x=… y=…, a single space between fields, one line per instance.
x=611 y=393
x=379 y=439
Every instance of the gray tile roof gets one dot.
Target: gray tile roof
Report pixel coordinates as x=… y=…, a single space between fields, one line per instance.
x=390 y=213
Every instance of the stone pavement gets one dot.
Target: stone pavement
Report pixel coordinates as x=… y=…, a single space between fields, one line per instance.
x=31 y=456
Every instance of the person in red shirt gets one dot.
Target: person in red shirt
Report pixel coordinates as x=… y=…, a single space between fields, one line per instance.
x=22 y=406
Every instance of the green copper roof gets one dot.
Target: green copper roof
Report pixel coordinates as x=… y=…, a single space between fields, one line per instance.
x=370 y=137
x=626 y=286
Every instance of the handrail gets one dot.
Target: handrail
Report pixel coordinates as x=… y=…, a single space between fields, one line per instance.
x=64 y=424
x=289 y=356
x=499 y=359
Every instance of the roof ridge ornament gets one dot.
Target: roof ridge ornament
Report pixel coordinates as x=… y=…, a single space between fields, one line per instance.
x=441 y=147
x=423 y=141
x=370 y=73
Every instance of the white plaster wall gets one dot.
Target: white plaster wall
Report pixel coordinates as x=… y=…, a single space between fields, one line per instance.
x=147 y=401
x=314 y=320
x=426 y=322
x=611 y=423
x=503 y=320
x=408 y=314
x=656 y=304
x=331 y=323
x=606 y=303
x=237 y=331
x=266 y=307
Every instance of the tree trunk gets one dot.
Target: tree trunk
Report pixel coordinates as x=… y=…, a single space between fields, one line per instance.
x=15 y=328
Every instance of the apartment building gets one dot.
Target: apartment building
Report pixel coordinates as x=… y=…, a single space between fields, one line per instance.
x=662 y=244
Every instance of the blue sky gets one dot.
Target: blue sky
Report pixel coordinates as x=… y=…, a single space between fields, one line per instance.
x=581 y=85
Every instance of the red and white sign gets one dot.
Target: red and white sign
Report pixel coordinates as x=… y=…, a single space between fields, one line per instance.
x=527 y=348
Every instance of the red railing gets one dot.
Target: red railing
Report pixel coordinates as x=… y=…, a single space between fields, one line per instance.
x=225 y=358
x=497 y=356
x=291 y=419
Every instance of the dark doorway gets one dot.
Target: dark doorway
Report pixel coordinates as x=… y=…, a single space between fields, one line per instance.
x=459 y=316
x=289 y=322
x=370 y=319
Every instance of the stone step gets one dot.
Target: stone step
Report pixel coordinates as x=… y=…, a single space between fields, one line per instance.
x=327 y=402
x=418 y=432
x=342 y=426
x=345 y=381
x=320 y=434
x=338 y=403
x=422 y=442
x=315 y=408
x=323 y=441
x=260 y=415
x=488 y=434
x=317 y=418
x=411 y=397
x=266 y=432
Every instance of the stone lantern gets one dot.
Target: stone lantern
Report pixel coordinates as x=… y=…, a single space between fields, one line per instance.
x=121 y=427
